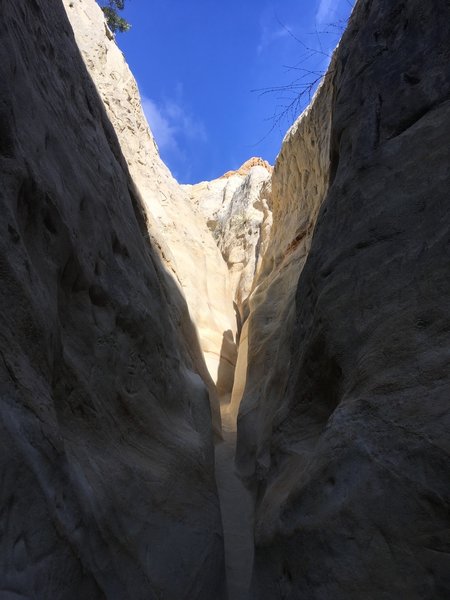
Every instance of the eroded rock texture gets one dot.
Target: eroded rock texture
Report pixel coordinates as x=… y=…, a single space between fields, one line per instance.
x=346 y=435
x=237 y=209
x=301 y=170
x=107 y=483
x=179 y=234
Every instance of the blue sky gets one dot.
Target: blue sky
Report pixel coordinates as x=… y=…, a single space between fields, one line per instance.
x=196 y=63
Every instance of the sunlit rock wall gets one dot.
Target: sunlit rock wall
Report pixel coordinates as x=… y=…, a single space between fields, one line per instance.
x=106 y=458
x=298 y=186
x=237 y=210
x=344 y=421
x=180 y=235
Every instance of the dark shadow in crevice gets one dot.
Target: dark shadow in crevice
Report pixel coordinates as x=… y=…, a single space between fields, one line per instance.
x=227 y=365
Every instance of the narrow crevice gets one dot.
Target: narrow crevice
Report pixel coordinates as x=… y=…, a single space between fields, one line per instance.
x=236 y=500
x=237 y=508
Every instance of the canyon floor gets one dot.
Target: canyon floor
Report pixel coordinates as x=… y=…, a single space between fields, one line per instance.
x=236 y=505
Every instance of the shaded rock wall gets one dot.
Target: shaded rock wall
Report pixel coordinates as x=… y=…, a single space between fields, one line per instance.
x=345 y=436
x=178 y=232
x=106 y=458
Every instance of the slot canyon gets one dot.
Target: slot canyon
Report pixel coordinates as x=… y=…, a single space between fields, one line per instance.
x=237 y=389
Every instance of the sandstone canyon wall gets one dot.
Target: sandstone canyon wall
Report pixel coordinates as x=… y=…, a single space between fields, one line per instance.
x=344 y=422
x=178 y=232
x=237 y=210
x=107 y=466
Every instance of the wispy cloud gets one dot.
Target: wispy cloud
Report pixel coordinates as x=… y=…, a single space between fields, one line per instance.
x=163 y=132
x=272 y=30
x=326 y=11
x=270 y=36
x=171 y=124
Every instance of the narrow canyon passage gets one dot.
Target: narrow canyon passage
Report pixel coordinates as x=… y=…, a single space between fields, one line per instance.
x=235 y=208
x=236 y=505
x=125 y=295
